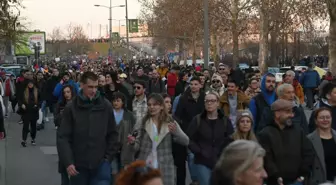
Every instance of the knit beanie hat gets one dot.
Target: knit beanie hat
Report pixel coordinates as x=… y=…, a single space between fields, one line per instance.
x=243 y=113
x=217 y=77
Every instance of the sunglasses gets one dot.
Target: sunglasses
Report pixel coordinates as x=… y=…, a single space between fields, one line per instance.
x=137 y=87
x=216 y=81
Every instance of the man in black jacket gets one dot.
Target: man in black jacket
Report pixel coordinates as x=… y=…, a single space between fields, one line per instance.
x=289 y=153
x=87 y=139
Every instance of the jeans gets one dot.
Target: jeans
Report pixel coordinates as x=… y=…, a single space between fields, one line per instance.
x=203 y=174
x=25 y=129
x=116 y=167
x=99 y=176
x=44 y=110
x=65 y=178
x=193 y=173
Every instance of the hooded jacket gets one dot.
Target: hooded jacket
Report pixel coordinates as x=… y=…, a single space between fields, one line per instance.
x=261 y=101
x=58 y=89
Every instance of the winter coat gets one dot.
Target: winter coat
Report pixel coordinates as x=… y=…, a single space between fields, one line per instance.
x=206 y=140
x=88 y=133
x=319 y=174
x=58 y=89
x=125 y=128
x=289 y=153
x=143 y=146
x=188 y=108
x=242 y=102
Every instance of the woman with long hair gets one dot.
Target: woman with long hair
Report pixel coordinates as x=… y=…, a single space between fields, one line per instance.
x=244 y=125
x=153 y=138
x=138 y=173
x=113 y=85
x=29 y=105
x=68 y=95
x=324 y=144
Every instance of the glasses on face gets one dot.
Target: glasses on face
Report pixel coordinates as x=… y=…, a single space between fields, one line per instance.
x=210 y=101
x=137 y=87
x=221 y=69
x=215 y=81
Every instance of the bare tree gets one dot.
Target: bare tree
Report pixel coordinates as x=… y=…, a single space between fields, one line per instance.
x=77 y=38
x=331 y=5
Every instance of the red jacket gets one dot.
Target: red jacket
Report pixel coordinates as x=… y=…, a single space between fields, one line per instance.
x=171 y=83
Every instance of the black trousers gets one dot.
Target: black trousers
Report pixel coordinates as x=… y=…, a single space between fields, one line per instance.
x=180 y=158
x=25 y=129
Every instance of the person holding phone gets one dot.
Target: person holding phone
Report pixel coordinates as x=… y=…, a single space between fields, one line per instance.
x=155 y=134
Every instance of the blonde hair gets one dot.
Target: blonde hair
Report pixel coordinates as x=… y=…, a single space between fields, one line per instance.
x=26 y=95
x=236 y=158
x=237 y=135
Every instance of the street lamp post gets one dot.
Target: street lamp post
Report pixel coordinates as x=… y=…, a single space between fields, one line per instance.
x=110 y=22
x=206 y=34
x=127 y=37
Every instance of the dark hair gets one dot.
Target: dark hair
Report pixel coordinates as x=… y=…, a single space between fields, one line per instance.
x=165 y=95
x=72 y=92
x=181 y=75
x=327 y=89
x=88 y=75
x=195 y=78
x=140 y=82
x=119 y=95
x=319 y=110
x=137 y=173
x=233 y=81
x=250 y=82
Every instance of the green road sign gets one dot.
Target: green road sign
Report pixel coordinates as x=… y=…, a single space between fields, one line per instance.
x=133 y=25
x=29 y=39
x=115 y=35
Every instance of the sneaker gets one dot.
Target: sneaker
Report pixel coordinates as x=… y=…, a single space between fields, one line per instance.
x=56 y=127
x=47 y=119
x=6 y=116
x=20 y=122
x=33 y=142
x=24 y=143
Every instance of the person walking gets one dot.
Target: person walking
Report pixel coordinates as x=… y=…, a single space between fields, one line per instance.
x=67 y=95
x=155 y=134
x=29 y=105
x=87 y=146
x=208 y=132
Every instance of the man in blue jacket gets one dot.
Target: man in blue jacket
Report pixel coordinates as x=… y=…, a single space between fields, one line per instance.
x=310 y=80
x=65 y=81
x=260 y=104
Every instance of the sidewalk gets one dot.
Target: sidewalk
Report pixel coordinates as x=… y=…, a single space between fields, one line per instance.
x=34 y=165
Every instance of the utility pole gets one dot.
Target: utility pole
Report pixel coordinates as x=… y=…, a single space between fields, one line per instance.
x=206 y=34
x=127 y=36
x=110 y=38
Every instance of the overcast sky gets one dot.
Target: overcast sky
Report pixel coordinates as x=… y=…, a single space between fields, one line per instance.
x=47 y=14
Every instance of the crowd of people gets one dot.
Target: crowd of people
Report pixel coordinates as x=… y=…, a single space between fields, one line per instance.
x=126 y=125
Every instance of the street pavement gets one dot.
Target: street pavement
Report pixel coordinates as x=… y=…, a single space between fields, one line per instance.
x=34 y=165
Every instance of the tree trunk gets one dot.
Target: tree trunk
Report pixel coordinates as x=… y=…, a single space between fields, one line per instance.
x=235 y=40
x=332 y=40
x=263 y=41
x=194 y=48
x=274 y=52
x=235 y=33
